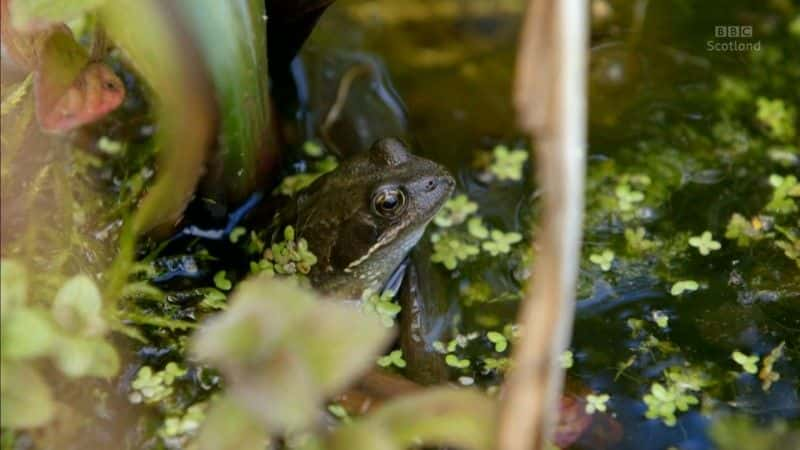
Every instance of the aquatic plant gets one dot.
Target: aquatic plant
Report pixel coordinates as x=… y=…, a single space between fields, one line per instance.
x=664 y=401
x=278 y=375
x=596 y=403
x=704 y=243
x=507 y=164
x=394 y=358
x=69 y=330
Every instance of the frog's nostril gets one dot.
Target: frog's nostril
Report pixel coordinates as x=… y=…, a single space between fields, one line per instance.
x=430 y=185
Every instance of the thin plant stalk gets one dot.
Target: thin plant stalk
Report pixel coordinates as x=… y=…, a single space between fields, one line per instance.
x=550 y=97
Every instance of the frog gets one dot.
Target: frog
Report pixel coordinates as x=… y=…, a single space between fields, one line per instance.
x=362 y=219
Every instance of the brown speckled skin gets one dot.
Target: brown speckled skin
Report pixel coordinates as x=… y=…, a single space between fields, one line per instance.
x=358 y=248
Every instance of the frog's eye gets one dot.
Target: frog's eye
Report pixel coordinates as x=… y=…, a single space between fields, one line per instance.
x=389 y=202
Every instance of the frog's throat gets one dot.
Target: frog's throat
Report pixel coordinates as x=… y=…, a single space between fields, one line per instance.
x=409 y=241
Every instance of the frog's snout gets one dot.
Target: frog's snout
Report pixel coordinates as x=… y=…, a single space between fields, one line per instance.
x=443 y=181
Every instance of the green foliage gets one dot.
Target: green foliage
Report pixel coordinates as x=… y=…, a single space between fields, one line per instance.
x=183 y=105
x=77 y=307
x=394 y=358
x=566 y=359
x=449 y=250
x=500 y=242
x=786 y=190
x=70 y=334
x=383 y=306
x=455 y=211
x=636 y=241
x=627 y=198
x=704 y=243
x=280 y=372
x=744 y=231
x=680 y=287
x=498 y=339
x=152 y=387
x=233 y=40
x=33 y=12
x=603 y=260
x=664 y=401
x=453 y=360
x=436 y=417
x=748 y=362
x=222 y=282
x=661 y=319
x=278 y=377
x=293 y=184
x=507 y=164
x=777 y=117
x=230 y=426
x=287 y=257
x=743 y=433
x=596 y=402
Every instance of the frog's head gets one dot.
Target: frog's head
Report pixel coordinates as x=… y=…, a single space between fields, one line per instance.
x=363 y=218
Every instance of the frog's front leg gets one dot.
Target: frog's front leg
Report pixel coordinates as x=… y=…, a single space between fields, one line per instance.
x=424 y=318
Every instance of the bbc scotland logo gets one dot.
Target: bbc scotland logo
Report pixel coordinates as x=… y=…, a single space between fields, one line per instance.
x=733 y=31
x=733 y=38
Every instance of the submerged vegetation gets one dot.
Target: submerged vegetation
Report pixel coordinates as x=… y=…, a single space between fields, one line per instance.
x=687 y=329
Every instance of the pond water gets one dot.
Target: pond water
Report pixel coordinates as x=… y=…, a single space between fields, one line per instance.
x=673 y=152
x=687 y=333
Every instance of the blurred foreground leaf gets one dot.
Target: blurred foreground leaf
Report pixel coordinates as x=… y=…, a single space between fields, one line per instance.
x=25 y=398
x=434 y=417
x=273 y=365
x=36 y=13
x=182 y=98
x=228 y=426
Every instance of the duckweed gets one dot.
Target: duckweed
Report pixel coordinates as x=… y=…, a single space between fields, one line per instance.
x=508 y=164
x=450 y=251
x=681 y=287
x=705 y=243
x=500 y=242
x=455 y=211
x=596 y=402
x=394 y=358
x=748 y=362
x=604 y=259
x=663 y=402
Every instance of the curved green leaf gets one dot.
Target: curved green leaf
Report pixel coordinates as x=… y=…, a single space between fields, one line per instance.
x=232 y=36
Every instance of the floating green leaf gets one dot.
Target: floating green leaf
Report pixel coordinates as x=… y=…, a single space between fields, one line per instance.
x=501 y=242
x=498 y=339
x=683 y=286
x=604 y=260
x=449 y=250
x=704 y=243
x=748 y=362
x=455 y=211
x=596 y=403
x=777 y=117
x=221 y=281
x=394 y=358
x=508 y=164
x=663 y=402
